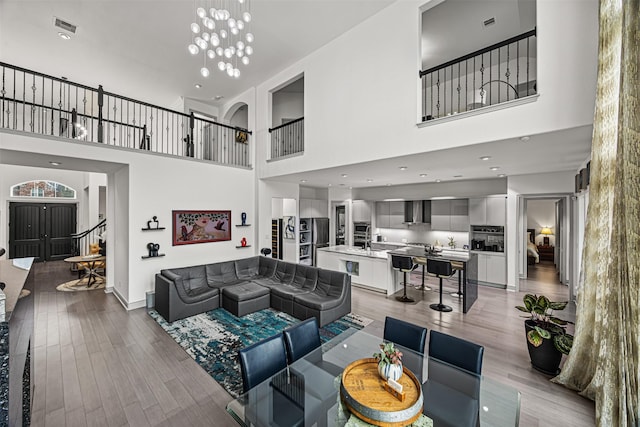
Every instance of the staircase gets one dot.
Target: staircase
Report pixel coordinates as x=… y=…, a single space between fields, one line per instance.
x=80 y=241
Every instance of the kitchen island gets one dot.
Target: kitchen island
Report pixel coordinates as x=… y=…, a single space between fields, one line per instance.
x=469 y=262
x=367 y=268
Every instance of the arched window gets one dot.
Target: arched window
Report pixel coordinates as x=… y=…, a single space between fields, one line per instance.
x=43 y=189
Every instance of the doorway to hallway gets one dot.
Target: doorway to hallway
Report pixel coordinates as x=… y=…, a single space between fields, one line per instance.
x=41 y=230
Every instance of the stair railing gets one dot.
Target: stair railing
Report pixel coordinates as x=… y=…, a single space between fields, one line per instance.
x=80 y=241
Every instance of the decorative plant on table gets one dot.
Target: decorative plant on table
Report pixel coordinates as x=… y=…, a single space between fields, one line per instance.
x=452 y=243
x=547 y=337
x=389 y=361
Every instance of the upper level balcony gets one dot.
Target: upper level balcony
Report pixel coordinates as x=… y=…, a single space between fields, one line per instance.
x=497 y=74
x=37 y=103
x=287 y=139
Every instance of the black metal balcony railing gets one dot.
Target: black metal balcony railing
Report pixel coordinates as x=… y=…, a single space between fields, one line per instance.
x=38 y=103
x=499 y=73
x=287 y=139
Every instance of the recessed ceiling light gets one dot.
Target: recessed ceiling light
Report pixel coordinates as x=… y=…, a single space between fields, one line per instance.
x=422 y=175
x=329 y=185
x=64 y=36
x=344 y=175
x=501 y=175
x=457 y=176
x=525 y=138
x=494 y=168
x=485 y=157
x=198 y=86
x=438 y=180
x=403 y=168
x=303 y=180
x=55 y=163
x=369 y=180
x=218 y=97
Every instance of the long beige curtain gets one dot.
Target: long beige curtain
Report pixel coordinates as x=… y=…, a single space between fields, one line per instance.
x=604 y=361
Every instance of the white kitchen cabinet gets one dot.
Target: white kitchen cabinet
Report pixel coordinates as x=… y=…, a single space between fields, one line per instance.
x=496 y=211
x=312 y=208
x=361 y=211
x=450 y=215
x=396 y=215
x=492 y=268
x=382 y=214
x=488 y=211
x=441 y=215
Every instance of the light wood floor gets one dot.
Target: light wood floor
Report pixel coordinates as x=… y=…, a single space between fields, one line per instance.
x=96 y=364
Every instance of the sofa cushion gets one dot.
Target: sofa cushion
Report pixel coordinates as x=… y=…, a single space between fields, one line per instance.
x=267 y=266
x=285 y=272
x=330 y=283
x=247 y=268
x=245 y=291
x=305 y=277
x=201 y=294
x=190 y=278
x=288 y=291
x=221 y=274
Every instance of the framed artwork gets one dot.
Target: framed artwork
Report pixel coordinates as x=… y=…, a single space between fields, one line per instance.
x=241 y=137
x=200 y=226
x=289 y=227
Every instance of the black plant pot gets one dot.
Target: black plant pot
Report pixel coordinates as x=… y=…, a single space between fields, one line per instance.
x=545 y=358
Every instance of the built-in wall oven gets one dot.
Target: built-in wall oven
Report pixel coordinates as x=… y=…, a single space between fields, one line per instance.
x=362 y=234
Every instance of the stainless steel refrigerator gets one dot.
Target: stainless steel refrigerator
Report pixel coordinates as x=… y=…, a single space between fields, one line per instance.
x=319 y=236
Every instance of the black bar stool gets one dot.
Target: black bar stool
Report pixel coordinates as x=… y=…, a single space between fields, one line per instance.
x=441 y=269
x=458 y=267
x=406 y=265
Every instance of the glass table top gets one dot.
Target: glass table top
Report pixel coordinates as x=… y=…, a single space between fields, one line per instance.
x=307 y=392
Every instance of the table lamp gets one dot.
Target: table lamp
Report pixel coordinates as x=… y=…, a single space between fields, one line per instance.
x=546 y=232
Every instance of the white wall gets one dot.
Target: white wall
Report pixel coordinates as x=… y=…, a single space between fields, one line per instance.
x=351 y=83
x=542 y=213
x=286 y=105
x=141 y=185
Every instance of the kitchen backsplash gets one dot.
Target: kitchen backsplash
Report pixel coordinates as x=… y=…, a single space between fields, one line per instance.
x=415 y=234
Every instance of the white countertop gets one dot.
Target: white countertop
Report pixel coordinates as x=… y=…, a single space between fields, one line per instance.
x=350 y=250
x=444 y=255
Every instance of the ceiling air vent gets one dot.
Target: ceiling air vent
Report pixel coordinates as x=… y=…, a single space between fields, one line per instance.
x=489 y=21
x=67 y=26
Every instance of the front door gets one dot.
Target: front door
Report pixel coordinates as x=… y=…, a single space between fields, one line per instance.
x=41 y=230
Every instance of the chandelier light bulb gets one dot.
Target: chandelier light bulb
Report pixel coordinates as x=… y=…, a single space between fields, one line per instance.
x=245 y=60
x=227 y=53
x=236 y=73
x=246 y=17
x=211 y=54
x=221 y=65
x=204 y=71
x=232 y=49
x=231 y=23
x=201 y=43
x=215 y=41
x=235 y=31
x=195 y=28
x=229 y=66
x=212 y=12
x=241 y=1
x=219 y=51
x=201 y=12
x=230 y=72
x=193 y=49
x=210 y=23
x=223 y=34
x=240 y=53
x=205 y=37
x=249 y=37
x=227 y=15
x=240 y=44
x=240 y=25
x=248 y=50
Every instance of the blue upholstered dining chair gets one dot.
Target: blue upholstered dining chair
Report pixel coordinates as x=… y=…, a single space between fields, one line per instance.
x=452 y=391
x=301 y=339
x=261 y=361
x=405 y=334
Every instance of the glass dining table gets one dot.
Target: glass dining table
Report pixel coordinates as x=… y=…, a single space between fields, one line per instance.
x=307 y=393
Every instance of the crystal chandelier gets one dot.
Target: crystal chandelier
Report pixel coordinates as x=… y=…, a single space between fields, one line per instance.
x=221 y=33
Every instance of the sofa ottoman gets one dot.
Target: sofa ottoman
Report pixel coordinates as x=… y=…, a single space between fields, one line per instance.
x=245 y=298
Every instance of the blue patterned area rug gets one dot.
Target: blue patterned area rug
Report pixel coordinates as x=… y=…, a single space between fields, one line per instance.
x=213 y=338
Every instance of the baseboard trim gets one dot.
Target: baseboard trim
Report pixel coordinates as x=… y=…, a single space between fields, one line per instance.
x=127 y=306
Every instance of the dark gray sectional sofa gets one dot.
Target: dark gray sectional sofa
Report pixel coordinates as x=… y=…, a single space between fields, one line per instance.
x=251 y=284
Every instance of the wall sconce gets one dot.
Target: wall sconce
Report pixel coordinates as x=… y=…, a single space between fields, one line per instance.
x=546 y=232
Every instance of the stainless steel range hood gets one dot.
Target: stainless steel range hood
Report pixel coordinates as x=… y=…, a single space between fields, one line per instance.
x=417 y=212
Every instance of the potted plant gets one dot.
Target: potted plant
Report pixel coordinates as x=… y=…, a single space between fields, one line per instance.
x=547 y=337
x=389 y=361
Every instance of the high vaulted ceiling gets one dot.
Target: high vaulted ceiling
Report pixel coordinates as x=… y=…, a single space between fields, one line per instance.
x=138 y=48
